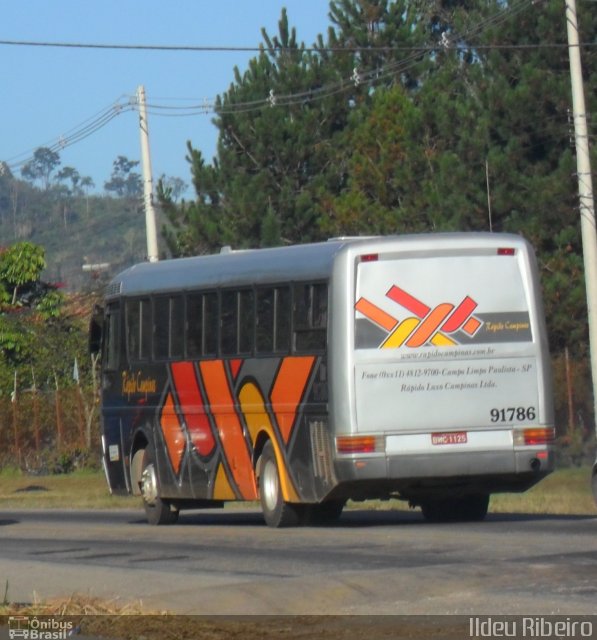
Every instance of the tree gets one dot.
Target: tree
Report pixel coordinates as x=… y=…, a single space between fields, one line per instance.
x=173 y=187
x=41 y=166
x=20 y=265
x=408 y=116
x=27 y=305
x=69 y=174
x=124 y=182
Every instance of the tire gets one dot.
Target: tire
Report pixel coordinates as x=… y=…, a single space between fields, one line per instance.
x=157 y=510
x=276 y=512
x=594 y=485
x=465 y=509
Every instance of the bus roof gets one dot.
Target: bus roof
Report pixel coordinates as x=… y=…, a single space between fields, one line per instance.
x=269 y=266
x=230 y=268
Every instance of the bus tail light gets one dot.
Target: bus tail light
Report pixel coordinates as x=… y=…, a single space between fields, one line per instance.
x=359 y=444
x=535 y=436
x=369 y=257
x=506 y=251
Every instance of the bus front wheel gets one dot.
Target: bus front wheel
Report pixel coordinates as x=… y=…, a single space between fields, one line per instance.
x=276 y=512
x=157 y=510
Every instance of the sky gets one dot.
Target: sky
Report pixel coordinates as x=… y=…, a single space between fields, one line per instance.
x=51 y=93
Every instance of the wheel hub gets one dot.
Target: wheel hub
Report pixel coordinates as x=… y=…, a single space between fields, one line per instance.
x=271 y=486
x=149 y=484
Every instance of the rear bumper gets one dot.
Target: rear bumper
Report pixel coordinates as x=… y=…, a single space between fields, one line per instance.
x=412 y=475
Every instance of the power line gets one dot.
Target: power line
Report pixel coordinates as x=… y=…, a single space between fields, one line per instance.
x=207 y=106
x=78 y=133
x=260 y=48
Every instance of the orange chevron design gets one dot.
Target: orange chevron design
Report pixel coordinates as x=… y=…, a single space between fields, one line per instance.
x=192 y=408
x=257 y=419
x=173 y=434
x=224 y=415
x=428 y=326
x=288 y=390
x=229 y=427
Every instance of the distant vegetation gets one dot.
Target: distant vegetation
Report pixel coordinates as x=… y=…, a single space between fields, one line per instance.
x=55 y=207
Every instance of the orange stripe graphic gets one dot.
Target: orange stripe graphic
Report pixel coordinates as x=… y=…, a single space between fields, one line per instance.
x=191 y=404
x=235 y=366
x=288 y=390
x=173 y=435
x=460 y=315
x=375 y=314
x=471 y=326
x=401 y=333
x=420 y=309
x=430 y=325
x=222 y=488
x=221 y=402
x=253 y=408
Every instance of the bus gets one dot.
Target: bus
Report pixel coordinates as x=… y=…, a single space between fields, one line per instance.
x=413 y=367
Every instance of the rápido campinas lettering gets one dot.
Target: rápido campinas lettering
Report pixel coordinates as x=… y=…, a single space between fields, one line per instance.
x=133 y=382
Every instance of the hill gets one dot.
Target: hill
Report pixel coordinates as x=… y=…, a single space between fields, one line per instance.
x=74 y=229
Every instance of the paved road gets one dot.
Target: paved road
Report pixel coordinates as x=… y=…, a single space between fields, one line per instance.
x=373 y=562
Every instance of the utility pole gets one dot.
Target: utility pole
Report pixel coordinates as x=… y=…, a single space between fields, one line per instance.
x=150 y=226
x=585 y=186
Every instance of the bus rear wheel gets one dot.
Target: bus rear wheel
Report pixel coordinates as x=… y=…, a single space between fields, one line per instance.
x=157 y=510
x=463 y=509
x=276 y=512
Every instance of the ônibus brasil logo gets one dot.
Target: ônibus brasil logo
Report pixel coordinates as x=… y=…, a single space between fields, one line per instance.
x=34 y=628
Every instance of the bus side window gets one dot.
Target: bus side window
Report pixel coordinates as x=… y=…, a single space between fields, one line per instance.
x=264 y=320
x=168 y=321
x=146 y=328
x=282 y=320
x=310 y=317
x=112 y=337
x=210 y=324
x=194 y=323
x=246 y=314
x=133 y=329
x=319 y=313
x=161 y=321
x=138 y=329
x=177 y=323
x=272 y=320
x=228 y=322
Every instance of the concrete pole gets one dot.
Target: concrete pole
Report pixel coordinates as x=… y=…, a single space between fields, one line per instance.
x=585 y=186
x=150 y=225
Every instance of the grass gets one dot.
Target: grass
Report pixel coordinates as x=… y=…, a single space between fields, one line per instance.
x=82 y=489
x=566 y=492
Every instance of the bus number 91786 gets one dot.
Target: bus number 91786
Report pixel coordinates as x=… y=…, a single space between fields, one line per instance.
x=511 y=414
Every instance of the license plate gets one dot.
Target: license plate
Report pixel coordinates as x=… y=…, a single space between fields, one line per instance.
x=451 y=437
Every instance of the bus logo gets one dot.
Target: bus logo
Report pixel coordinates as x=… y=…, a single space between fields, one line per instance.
x=426 y=326
x=38 y=628
x=18 y=627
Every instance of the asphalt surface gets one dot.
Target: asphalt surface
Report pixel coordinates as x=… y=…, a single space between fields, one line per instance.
x=228 y=562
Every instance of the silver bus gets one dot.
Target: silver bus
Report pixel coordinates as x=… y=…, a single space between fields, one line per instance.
x=411 y=367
